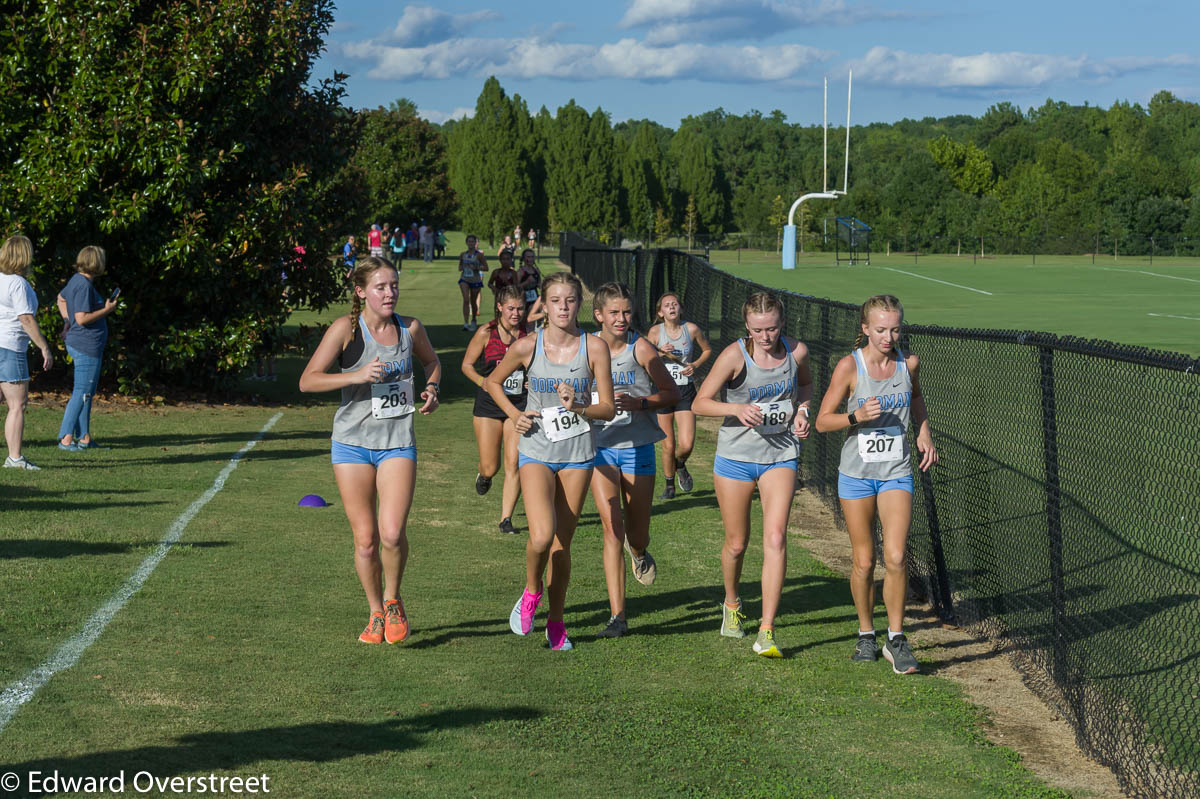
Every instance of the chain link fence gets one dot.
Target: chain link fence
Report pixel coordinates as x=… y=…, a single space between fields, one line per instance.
x=1062 y=522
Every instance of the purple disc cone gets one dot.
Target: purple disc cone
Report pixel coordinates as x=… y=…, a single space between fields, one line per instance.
x=313 y=501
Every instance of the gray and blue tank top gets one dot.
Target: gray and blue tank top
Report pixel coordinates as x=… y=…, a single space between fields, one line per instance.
x=470 y=272
x=629 y=428
x=379 y=415
x=775 y=391
x=878 y=449
x=543 y=377
x=684 y=351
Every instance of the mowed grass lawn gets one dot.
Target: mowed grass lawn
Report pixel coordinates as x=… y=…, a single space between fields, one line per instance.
x=1129 y=300
x=239 y=655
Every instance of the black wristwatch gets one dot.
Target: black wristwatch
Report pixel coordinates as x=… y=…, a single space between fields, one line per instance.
x=853 y=421
x=645 y=404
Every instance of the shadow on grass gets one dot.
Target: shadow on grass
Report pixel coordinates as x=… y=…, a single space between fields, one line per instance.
x=190 y=439
x=318 y=742
x=35 y=498
x=691 y=610
x=49 y=548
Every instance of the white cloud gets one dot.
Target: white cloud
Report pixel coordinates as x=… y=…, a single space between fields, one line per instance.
x=424 y=25
x=985 y=71
x=438 y=117
x=627 y=58
x=672 y=21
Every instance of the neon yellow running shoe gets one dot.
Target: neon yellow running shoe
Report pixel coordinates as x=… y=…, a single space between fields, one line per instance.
x=732 y=621
x=765 y=644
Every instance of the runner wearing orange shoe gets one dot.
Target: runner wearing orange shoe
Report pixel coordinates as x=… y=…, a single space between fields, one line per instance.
x=374 y=452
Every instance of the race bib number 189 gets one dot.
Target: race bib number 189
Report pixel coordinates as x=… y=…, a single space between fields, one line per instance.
x=392 y=400
x=881 y=444
x=561 y=424
x=776 y=416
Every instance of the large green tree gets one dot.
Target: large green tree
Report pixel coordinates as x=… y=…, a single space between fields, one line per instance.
x=582 y=179
x=490 y=162
x=190 y=141
x=403 y=163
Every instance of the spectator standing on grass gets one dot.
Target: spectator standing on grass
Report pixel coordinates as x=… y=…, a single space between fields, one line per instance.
x=373 y=450
x=764 y=385
x=440 y=247
x=85 y=332
x=413 y=239
x=428 y=239
x=882 y=396
x=396 y=245
x=18 y=326
x=375 y=242
x=349 y=255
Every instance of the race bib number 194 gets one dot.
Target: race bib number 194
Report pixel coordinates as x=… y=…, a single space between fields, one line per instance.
x=560 y=424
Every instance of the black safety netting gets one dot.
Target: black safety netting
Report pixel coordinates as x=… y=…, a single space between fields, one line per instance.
x=1062 y=522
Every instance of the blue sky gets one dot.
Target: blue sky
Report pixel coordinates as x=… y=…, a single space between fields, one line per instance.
x=666 y=59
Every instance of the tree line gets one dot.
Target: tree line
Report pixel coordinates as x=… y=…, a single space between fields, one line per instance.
x=1052 y=174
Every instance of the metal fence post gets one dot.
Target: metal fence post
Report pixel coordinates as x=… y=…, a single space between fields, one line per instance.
x=942 y=590
x=1058 y=594
x=573 y=259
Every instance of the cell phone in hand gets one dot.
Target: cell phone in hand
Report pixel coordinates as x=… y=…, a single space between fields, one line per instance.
x=116 y=293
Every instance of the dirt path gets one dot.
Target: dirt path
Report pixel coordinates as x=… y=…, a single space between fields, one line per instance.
x=1018 y=719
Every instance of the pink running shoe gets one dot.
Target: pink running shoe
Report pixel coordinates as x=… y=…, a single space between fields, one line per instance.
x=556 y=634
x=520 y=621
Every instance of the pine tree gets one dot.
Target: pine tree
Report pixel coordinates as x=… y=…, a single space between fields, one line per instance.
x=490 y=163
x=581 y=170
x=700 y=177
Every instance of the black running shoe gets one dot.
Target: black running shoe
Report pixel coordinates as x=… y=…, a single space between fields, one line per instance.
x=684 y=477
x=506 y=526
x=482 y=484
x=668 y=492
x=866 y=650
x=615 y=628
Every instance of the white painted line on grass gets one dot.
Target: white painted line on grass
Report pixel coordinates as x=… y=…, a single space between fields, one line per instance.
x=21 y=691
x=1152 y=274
x=935 y=280
x=1173 y=316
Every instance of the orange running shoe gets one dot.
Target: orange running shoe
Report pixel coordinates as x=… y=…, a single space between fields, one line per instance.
x=395 y=625
x=374 y=632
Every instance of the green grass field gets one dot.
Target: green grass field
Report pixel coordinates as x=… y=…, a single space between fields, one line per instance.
x=238 y=656
x=1128 y=300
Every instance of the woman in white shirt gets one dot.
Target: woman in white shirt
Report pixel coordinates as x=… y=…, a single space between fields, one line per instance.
x=18 y=325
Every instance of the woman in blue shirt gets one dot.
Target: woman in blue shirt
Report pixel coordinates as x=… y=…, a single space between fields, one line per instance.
x=86 y=333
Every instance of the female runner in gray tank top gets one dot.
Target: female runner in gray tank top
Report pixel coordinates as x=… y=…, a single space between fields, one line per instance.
x=374 y=453
x=766 y=387
x=624 y=470
x=684 y=349
x=879 y=386
x=556 y=448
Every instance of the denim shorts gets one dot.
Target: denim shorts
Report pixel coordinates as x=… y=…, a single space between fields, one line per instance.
x=553 y=467
x=862 y=487
x=349 y=453
x=631 y=460
x=14 y=366
x=746 y=471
